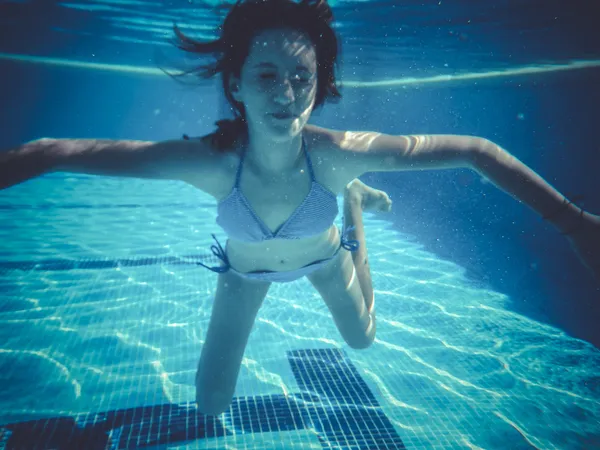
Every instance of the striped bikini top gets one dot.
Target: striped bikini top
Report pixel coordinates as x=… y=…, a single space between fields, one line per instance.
x=314 y=215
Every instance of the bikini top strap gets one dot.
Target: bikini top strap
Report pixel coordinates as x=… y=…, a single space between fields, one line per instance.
x=308 y=161
x=239 y=169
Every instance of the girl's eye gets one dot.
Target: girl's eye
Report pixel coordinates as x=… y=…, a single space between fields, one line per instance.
x=303 y=78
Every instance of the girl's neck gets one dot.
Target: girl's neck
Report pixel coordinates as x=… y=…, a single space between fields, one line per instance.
x=271 y=157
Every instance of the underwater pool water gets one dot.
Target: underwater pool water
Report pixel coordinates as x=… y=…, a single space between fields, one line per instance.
x=102 y=308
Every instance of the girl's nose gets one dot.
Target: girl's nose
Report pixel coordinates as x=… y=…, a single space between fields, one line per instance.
x=283 y=92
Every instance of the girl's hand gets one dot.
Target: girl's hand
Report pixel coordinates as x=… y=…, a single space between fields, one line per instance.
x=585 y=240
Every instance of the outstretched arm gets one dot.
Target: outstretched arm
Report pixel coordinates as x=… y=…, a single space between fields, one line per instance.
x=191 y=161
x=369 y=152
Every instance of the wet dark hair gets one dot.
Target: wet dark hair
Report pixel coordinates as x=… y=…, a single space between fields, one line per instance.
x=245 y=20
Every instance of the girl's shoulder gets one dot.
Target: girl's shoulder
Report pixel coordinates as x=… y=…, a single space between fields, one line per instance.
x=323 y=140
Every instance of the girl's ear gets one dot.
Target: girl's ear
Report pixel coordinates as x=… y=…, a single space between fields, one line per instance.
x=234 y=88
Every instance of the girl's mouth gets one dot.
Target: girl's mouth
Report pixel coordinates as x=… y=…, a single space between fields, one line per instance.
x=283 y=115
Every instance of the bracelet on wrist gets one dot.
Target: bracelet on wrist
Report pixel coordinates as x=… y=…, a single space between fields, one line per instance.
x=577 y=226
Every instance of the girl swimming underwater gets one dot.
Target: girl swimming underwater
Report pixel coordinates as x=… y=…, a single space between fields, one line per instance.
x=276 y=179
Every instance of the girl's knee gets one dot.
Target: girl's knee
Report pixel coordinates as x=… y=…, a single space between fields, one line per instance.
x=360 y=344
x=212 y=403
x=364 y=340
x=214 y=389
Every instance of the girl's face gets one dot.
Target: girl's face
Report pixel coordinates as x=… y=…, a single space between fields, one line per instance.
x=278 y=83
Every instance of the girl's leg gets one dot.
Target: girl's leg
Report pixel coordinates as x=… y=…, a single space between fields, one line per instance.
x=359 y=197
x=236 y=304
x=345 y=284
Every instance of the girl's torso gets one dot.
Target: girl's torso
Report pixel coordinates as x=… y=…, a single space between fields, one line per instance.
x=274 y=200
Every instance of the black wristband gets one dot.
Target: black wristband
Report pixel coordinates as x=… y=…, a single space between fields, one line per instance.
x=576 y=227
x=562 y=208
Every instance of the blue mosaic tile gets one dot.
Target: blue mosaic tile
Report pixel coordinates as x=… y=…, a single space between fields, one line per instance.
x=334 y=401
x=346 y=414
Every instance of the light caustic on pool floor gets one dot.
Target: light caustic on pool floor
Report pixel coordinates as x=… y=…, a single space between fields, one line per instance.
x=450 y=362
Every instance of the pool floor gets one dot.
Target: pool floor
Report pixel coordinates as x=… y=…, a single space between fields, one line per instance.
x=103 y=312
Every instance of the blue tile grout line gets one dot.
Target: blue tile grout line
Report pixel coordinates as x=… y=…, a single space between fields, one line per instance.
x=333 y=400
x=48 y=265
x=48 y=206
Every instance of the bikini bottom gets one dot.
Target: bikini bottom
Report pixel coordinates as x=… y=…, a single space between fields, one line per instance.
x=279 y=276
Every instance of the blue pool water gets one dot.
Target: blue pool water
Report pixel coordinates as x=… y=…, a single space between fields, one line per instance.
x=487 y=323
x=103 y=309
